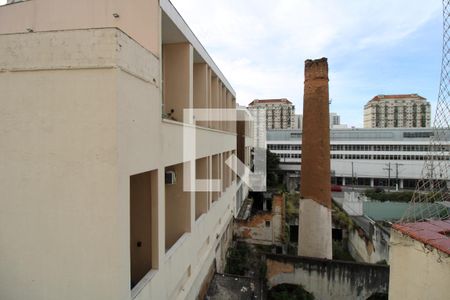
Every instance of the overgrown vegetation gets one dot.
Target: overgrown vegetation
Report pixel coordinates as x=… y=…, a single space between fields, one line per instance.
x=340 y=218
x=405 y=196
x=292 y=203
x=378 y=296
x=289 y=292
x=237 y=259
x=340 y=251
x=273 y=170
x=381 y=195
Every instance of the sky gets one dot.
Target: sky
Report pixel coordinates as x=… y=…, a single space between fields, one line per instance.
x=373 y=47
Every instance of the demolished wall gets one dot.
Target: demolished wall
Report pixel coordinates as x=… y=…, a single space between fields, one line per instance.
x=264 y=227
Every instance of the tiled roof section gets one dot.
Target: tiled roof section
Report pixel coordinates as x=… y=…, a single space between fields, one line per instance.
x=397 y=97
x=434 y=233
x=281 y=100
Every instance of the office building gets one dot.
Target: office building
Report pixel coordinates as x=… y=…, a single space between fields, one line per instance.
x=365 y=157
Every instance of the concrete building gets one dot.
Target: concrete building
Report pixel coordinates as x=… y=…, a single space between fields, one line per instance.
x=390 y=111
x=279 y=112
x=420 y=260
x=298 y=122
x=365 y=157
x=335 y=121
x=92 y=174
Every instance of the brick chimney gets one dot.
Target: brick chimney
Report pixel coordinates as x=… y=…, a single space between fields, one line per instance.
x=315 y=188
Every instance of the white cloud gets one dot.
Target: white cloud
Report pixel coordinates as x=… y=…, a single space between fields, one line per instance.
x=261 y=45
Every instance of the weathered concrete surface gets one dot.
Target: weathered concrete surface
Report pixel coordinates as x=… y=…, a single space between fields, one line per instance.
x=232 y=287
x=314 y=233
x=328 y=279
x=264 y=227
x=315 y=177
x=368 y=241
x=418 y=271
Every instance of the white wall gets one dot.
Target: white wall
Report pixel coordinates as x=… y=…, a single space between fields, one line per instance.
x=417 y=272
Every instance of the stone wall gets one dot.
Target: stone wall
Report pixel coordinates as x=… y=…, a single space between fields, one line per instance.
x=328 y=279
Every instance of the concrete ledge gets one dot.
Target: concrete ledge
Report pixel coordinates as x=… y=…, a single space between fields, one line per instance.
x=77 y=49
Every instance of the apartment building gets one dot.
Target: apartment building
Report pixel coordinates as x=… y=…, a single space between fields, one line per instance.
x=390 y=111
x=366 y=157
x=279 y=112
x=335 y=121
x=94 y=163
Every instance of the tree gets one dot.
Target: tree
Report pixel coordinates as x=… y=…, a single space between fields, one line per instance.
x=273 y=169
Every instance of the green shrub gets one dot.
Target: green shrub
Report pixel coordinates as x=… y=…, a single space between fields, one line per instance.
x=340 y=251
x=289 y=292
x=237 y=258
x=394 y=196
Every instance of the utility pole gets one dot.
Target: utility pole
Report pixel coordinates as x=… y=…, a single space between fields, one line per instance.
x=353 y=178
x=396 y=175
x=389 y=175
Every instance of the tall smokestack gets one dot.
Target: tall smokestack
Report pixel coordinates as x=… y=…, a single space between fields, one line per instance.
x=315 y=205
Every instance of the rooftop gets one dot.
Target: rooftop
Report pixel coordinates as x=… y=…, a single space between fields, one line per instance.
x=435 y=233
x=365 y=134
x=397 y=97
x=267 y=101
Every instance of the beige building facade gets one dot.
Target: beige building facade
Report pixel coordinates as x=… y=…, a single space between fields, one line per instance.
x=390 y=111
x=279 y=112
x=91 y=118
x=420 y=261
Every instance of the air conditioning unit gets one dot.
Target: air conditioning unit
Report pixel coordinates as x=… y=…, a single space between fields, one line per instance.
x=170 y=177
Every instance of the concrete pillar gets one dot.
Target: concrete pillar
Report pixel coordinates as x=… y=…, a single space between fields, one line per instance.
x=222 y=105
x=201 y=89
x=215 y=174
x=229 y=106
x=215 y=98
x=401 y=183
x=210 y=103
x=343 y=181
x=210 y=176
x=178 y=79
x=372 y=182
x=315 y=205
x=224 y=171
x=233 y=105
x=201 y=198
x=177 y=207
